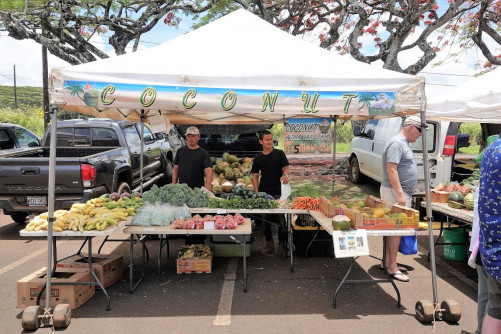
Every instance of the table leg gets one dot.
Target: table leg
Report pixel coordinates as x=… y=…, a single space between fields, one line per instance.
x=291 y=240
x=131 y=266
x=98 y=282
x=371 y=281
x=245 y=265
x=343 y=281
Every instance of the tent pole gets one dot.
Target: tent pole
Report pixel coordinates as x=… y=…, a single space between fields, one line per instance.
x=429 y=217
x=142 y=151
x=334 y=140
x=50 y=203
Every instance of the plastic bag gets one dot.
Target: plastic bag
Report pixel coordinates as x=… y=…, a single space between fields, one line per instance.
x=408 y=244
x=285 y=192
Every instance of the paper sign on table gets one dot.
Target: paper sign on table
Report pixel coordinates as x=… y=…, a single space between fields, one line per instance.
x=350 y=243
x=209 y=225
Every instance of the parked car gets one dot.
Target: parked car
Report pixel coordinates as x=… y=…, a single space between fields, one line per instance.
x=442 y=141
x=93 y=157
x=15 y=138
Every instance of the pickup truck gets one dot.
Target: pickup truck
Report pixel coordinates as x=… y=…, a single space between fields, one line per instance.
x=15 y=138
x=93 y=157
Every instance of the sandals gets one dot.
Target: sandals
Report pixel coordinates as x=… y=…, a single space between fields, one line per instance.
x=400 y=268
x=398 y=276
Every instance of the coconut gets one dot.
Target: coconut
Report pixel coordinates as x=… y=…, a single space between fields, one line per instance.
x=341 y=222
x=227 y=186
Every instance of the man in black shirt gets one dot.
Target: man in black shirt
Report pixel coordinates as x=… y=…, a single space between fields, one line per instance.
x=273 y=167
x=192 y=162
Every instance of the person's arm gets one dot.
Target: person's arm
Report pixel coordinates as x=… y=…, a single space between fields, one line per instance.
x=175 y=173
x=391 y=169
x=255 y=181
x=285 y=175
x=208 y=178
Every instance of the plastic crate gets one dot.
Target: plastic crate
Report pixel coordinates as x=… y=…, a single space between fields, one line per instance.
x=322 y=246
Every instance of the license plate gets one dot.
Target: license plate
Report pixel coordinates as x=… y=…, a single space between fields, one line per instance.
x=37 y=200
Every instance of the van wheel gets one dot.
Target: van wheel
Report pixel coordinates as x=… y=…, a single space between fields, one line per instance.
x=123 y=188
x=355 y=176
x=19 y=217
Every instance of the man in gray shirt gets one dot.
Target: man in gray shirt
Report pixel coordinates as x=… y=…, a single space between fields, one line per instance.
x=399 y=181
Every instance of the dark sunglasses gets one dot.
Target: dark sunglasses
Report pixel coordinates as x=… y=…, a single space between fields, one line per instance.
x=417 y=128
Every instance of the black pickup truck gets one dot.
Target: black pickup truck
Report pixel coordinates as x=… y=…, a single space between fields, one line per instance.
x=93 y=157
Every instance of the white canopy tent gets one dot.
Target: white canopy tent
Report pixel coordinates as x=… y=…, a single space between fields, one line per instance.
x=238 y=69
x=477 y=100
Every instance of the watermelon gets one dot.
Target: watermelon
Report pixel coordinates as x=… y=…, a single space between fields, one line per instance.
x=455 y=205
x=469 y=201
x=456 y=197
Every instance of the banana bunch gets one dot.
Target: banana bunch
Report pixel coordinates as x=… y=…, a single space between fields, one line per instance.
x=98 y=202
x=40 y=222
x=77 y=222
x=198 y=251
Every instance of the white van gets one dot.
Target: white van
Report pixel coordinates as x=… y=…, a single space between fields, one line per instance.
x=368 y=144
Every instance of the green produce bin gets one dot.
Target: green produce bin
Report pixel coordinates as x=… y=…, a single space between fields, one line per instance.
x=230 y=249
x=454 y=244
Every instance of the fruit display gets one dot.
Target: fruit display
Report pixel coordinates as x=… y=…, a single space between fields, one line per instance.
x=95 y=214
x=194 y=251
x=230 y=171
x=197 y=222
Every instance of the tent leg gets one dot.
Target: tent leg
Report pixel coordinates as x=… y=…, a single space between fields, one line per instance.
x=428 y=210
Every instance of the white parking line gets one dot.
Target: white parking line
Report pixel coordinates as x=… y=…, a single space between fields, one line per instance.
x=223 y=317
x=23 y=260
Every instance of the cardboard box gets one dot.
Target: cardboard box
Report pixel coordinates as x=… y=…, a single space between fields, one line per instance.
x=362 y=219
x=108 y=267
x=29 y=287
x=327 y=207
x=194 y=264
x=329 y=210
x=439 y=196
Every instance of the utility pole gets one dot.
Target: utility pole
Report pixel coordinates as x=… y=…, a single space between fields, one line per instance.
x=15 y=91
x=45 y=88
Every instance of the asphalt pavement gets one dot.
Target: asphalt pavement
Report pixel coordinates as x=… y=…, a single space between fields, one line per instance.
x=277 y=300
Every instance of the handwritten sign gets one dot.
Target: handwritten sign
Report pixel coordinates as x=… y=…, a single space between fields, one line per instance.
x=307 y=135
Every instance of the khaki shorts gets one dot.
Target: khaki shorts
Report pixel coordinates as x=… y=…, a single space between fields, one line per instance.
x=390 y=197
x=494 y=304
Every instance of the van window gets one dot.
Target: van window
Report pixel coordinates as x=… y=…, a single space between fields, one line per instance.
x=369 y=129
x=417 y=146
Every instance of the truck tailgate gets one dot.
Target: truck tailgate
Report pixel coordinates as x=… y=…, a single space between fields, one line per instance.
x=24 y=176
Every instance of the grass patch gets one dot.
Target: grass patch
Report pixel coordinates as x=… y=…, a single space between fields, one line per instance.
x=343 y=188
x=472 y=149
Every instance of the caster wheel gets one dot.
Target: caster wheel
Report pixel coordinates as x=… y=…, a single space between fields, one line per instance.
x=62 y=316
x=451 y=311
x=424 y=311
x=31 y=318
